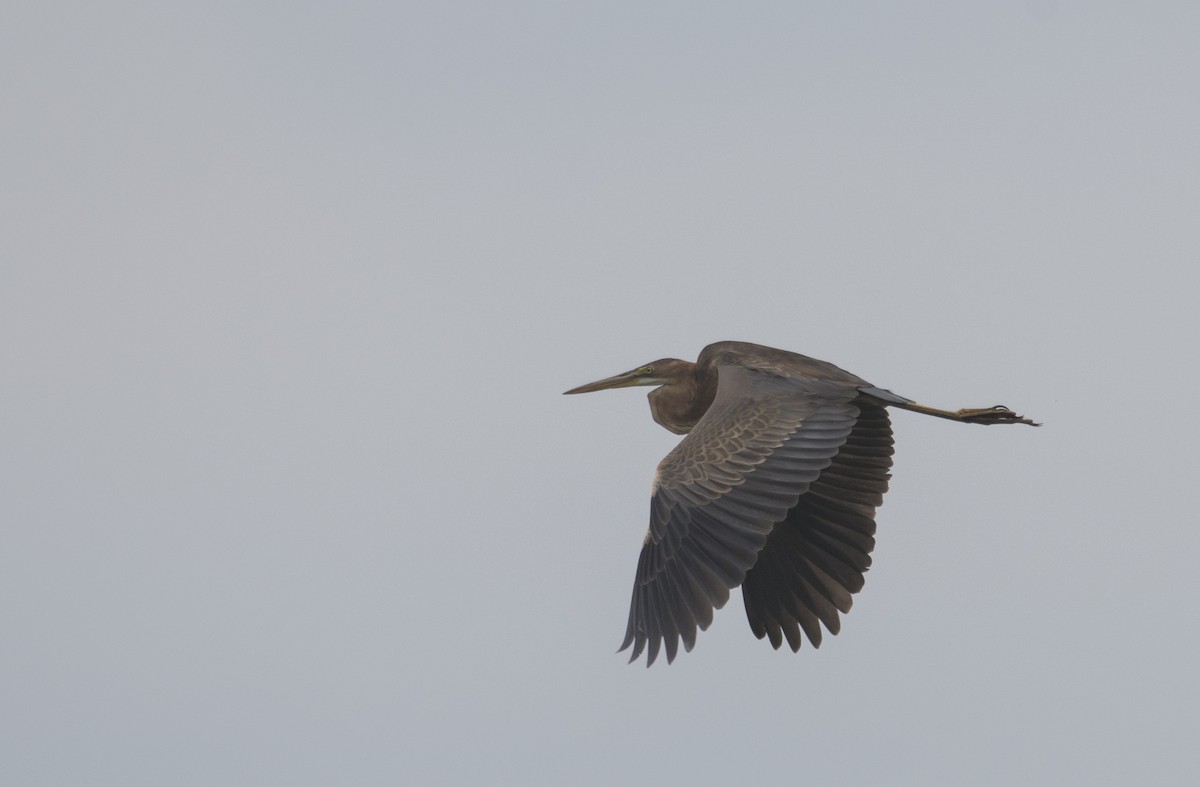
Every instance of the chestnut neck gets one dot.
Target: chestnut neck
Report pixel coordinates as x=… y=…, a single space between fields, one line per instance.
x=679 y=405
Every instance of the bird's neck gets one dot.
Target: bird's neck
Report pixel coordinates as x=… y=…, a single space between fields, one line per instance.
x=679 y=405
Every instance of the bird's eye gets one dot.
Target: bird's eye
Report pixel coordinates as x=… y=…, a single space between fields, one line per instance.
x=646 y=371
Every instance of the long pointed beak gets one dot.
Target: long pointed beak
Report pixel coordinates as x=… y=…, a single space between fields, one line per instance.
x=623 y=380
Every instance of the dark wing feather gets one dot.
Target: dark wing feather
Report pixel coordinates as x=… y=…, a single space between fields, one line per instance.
x=764 y=441
x=813 y=561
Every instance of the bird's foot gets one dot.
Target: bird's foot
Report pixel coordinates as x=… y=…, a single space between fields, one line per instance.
x=992 y=415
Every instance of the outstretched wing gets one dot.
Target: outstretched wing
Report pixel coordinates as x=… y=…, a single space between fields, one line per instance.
x=814 y=560
x=721 y=491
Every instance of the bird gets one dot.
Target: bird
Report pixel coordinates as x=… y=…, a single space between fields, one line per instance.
x=773 y=488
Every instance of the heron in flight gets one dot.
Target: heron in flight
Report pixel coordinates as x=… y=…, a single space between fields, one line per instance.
x=774 y=488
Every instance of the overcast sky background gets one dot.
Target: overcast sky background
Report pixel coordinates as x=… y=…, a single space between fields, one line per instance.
x=289 y=293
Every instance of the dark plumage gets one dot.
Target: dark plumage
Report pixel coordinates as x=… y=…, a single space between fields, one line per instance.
x=774 y=488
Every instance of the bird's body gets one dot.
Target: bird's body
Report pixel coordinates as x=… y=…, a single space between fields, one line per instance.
x=774 y=489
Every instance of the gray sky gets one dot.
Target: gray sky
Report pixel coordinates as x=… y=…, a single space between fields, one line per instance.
x=289 y=295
